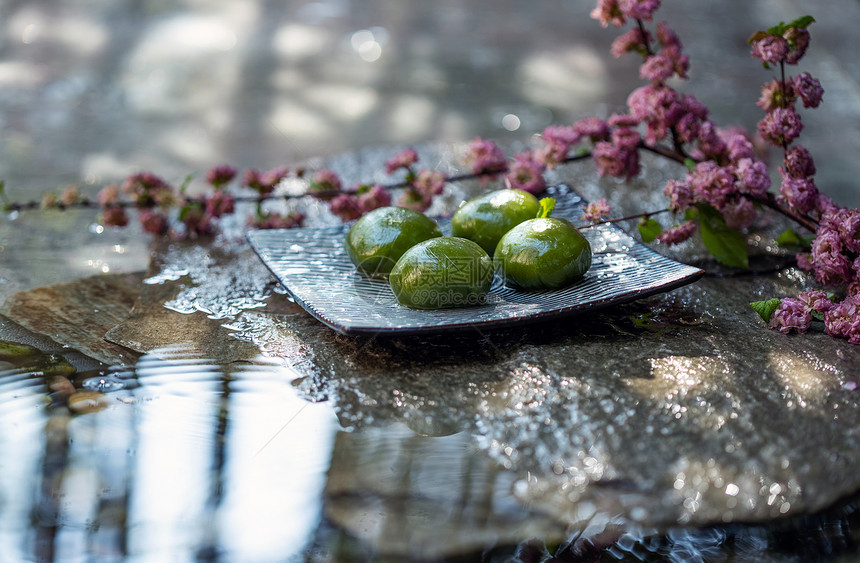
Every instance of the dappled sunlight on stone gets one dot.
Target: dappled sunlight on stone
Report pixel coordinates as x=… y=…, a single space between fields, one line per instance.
x=341 y=102
x=295 y=42
x=556 y=78
x=805 y=380
x=410 y=117
x=294 y=121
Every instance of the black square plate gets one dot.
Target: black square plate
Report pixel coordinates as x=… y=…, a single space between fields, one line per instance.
x=314 y=268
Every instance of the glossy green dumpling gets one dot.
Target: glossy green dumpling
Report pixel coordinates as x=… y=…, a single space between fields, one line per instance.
x=544 y=253
x=442 y=273
x=486 y=218
x=377 y=240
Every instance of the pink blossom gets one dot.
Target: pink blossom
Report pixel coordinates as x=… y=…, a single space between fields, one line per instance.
x=804 y=261
x=153 y=221
x=659 y=107
x=164 y=197
x=526 y=173
x=565 y=134
x=592 y=127
x=680 y=61
x=825 y=205
x=610 y=160
x=678 y=234
x=373 y=198
x=710 y=142
x=49 y=200
x=220 y=175
x=114 y=216
x=326 y=182
x=345 y=206
x=557 y=142
x=429 y=183
x=800 y=193
x=690 y=104
x=843 y=320
x=667 y=36
x=657 y=68
x=411 y=199
x=595 y=210
x=791 y=316
x=639 y=9
x=829 y=264
x=798 y=41
x=847 y=223
x=271 y=178
x=774 y=96
x=197 y=222
x=484 y=156
x=625 y=138
x=69 y=195
x=711 y=183
x=403 y=159
x=770 y=49
x=608 y=13
x=263 y=182
x=738 y=213
x=552 y=154
x=739 y=147
x=108 y=195
x=220 y=203
x=816 y=301
x=633 y=40
x=752 y=176
x=680 y=195
x=143 y=182
x=688 y=127
x=799 y=163
x=780 y=126
x=251 y=179
x=278 y=221
x=622 y=120
x=809 y=89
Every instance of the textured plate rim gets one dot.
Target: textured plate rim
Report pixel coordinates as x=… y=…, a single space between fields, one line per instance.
x=540 y=316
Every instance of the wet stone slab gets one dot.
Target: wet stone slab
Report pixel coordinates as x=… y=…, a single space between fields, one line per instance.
x=680 y=409
x=78 y=313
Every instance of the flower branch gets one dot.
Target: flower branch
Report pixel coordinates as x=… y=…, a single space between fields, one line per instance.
x=719 y=197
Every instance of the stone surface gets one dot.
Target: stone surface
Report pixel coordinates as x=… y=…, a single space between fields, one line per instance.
x=168 y=313
x=681 y=409
x=78 y=313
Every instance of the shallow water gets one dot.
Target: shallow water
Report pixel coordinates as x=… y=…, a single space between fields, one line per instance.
x=177 y=458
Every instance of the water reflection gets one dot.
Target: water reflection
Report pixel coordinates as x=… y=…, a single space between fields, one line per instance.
x=189 y=459
x=192 y=460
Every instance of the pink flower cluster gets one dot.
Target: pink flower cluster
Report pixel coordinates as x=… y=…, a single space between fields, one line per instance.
x=596 y=210
x=797 y=314
x=841 y=320
x=616 y=12
x=728 y=176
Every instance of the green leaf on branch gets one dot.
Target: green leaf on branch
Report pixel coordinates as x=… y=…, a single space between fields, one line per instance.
x=765 y=309
x=691 y=214
x=649 y=229
x=776 y=30
x=690 y=164
x=726 y=244
x=802 y=22
x=547 y=204
x=791 y=238
x=185 y=183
